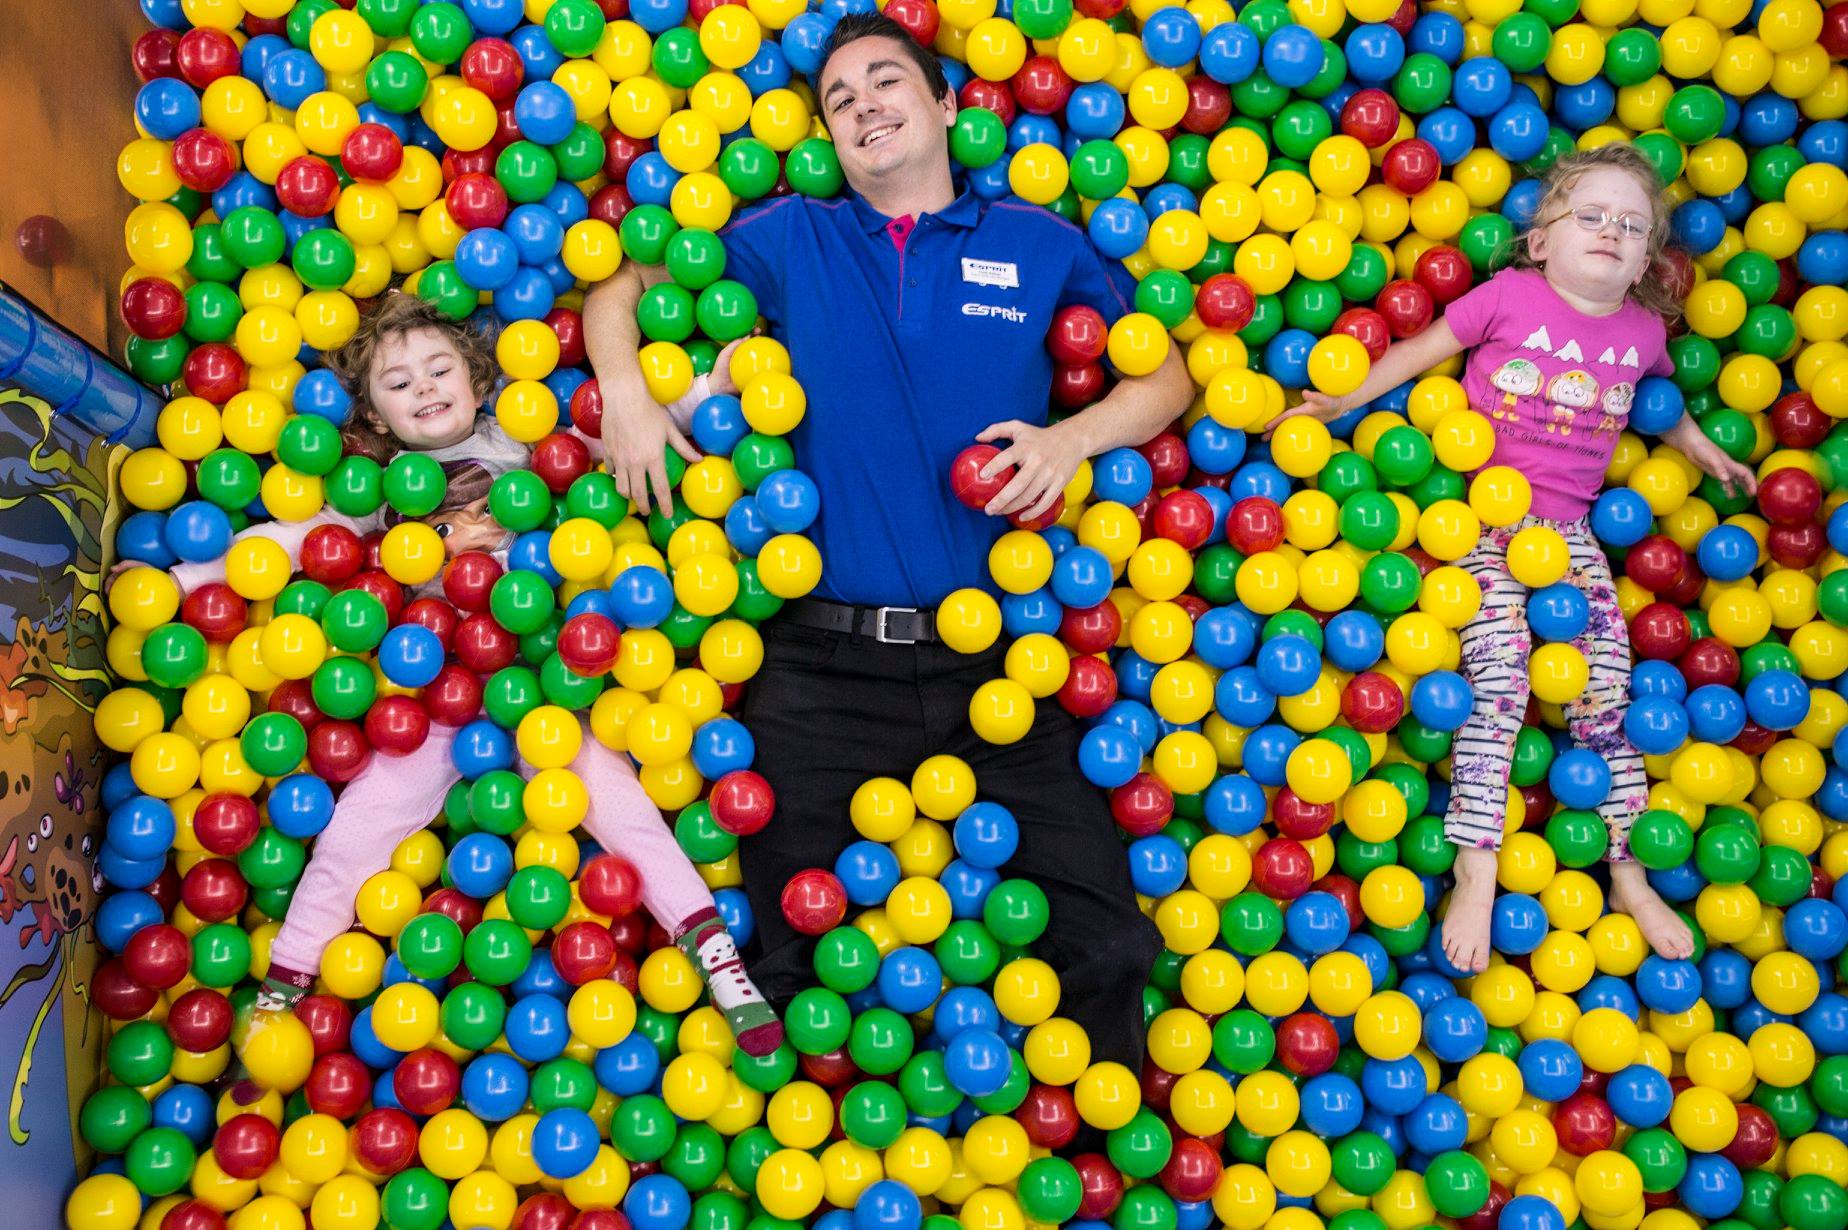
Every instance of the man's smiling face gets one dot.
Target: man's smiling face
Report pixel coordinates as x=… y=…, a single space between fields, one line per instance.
x=879 y=109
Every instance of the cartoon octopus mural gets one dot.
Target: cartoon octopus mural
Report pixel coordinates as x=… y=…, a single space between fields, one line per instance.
x=54 y=479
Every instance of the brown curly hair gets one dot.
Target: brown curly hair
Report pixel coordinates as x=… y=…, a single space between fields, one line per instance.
x=395 y=315
x=1654 y=290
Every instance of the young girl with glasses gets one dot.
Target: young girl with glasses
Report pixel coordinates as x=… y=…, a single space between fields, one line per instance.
x=1557 y=343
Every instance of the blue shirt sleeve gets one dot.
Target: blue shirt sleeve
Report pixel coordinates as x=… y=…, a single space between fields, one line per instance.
x=1098 y=282
x=757 y=253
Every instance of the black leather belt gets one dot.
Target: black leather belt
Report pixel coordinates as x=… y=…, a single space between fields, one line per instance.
x=889 y=625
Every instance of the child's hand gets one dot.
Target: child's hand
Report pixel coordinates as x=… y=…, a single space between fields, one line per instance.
x=720 y=381
x=1315 y=405
x=1710 y=458
x=124 y=565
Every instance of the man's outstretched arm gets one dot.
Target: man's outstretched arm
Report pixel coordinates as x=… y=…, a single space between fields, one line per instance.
x=1132 y=413
x=637 y=430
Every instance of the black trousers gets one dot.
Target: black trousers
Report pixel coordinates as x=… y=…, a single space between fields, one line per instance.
x=829 y=710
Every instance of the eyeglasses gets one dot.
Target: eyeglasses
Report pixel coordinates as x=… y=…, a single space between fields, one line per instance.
x=1596 y=218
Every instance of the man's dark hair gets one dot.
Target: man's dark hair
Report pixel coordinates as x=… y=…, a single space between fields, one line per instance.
x=856 y=26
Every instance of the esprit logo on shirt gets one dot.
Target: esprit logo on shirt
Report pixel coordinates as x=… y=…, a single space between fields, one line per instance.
x=1004 y=274
x=1011 y=315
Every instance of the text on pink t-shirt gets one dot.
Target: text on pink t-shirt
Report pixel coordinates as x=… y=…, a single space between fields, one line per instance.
x=1557 y=384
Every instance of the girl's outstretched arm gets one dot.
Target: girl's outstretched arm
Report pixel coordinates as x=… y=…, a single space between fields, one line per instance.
x=1400 y=363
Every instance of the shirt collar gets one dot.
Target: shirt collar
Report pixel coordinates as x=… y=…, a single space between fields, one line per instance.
x=965 y=211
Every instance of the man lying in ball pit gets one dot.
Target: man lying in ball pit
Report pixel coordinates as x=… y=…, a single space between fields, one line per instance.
x=915 y=319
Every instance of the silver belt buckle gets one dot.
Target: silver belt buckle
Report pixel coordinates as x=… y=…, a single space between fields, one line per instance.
x=879 y=625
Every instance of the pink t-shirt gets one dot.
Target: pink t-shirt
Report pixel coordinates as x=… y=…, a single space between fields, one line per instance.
x=1557 y=384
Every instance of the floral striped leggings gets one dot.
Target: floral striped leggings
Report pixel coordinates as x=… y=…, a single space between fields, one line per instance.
x=1497 y=645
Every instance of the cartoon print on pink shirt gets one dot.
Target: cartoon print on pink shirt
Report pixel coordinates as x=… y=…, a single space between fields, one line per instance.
x=1517 y=378
x=1616 y=406
x=1567 y=394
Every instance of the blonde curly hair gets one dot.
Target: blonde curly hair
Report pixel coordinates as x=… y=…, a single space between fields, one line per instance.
x=1654 y=290
x=395 y=315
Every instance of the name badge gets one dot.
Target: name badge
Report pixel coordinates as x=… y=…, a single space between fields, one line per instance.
x=1004 y=274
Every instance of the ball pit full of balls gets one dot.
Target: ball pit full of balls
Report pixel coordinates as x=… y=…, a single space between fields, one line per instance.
x=1260 y=636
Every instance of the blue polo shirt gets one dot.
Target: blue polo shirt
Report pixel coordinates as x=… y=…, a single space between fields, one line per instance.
x=905 y=356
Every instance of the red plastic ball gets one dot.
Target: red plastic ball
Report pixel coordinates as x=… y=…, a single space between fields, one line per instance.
x=966 y=482
x=1282 y=869
x=155 y=54
x=1659 y=630
x=1101 y=1183
x=1209 y=105
x=204 y=55
x=338 y=750
x=1078 y=336
x=203 y=160
x=453 y=698
x=742 y=802
x=339 y=1084
x=1411 y=166
x=1655 y=563
x=215 y=372
x=1050 y=1115
x=992 y=95
x=246 y=1145
x=1300 y=820
x=477 y=199
x=1089 y=689
x=332 y=554
x=1444 y=271
x=587 y=408
x=1372 y=703
x=1074 y=387
x=307 y=186
x=426 y=1081
x=469 y=578
x=492 y=66
x=200 y=1020
x=435 y=615
x=920 y=19
x=117 y=995
x=1406 y=307
x=1192 y=1170
x=226 y=823
x=560 y=460
x=1789 y=497
x=1709 y=660
x=1225 y=301
x=483 y=645
x=1371 y=117
x=814 y=901
x=214 y=889
x=1367 y=327
x=193 y=1214
x=1585 y=1124
x=397 y=725
x=1255 y=524
x=1755 y=1141
x=584 y=952
x=543 y=1211
x=1042 y=86
x=1307 y=1044
x=384 y=1141
x=610 y=885
x=1091 y=629
x=589 y=644
x=153 y=308
x=1142 y=805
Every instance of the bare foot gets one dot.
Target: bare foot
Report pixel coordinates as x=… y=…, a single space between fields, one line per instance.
x=1466 y=925
x=1661 y=926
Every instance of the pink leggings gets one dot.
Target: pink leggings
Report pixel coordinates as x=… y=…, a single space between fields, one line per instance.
x=394 y=797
